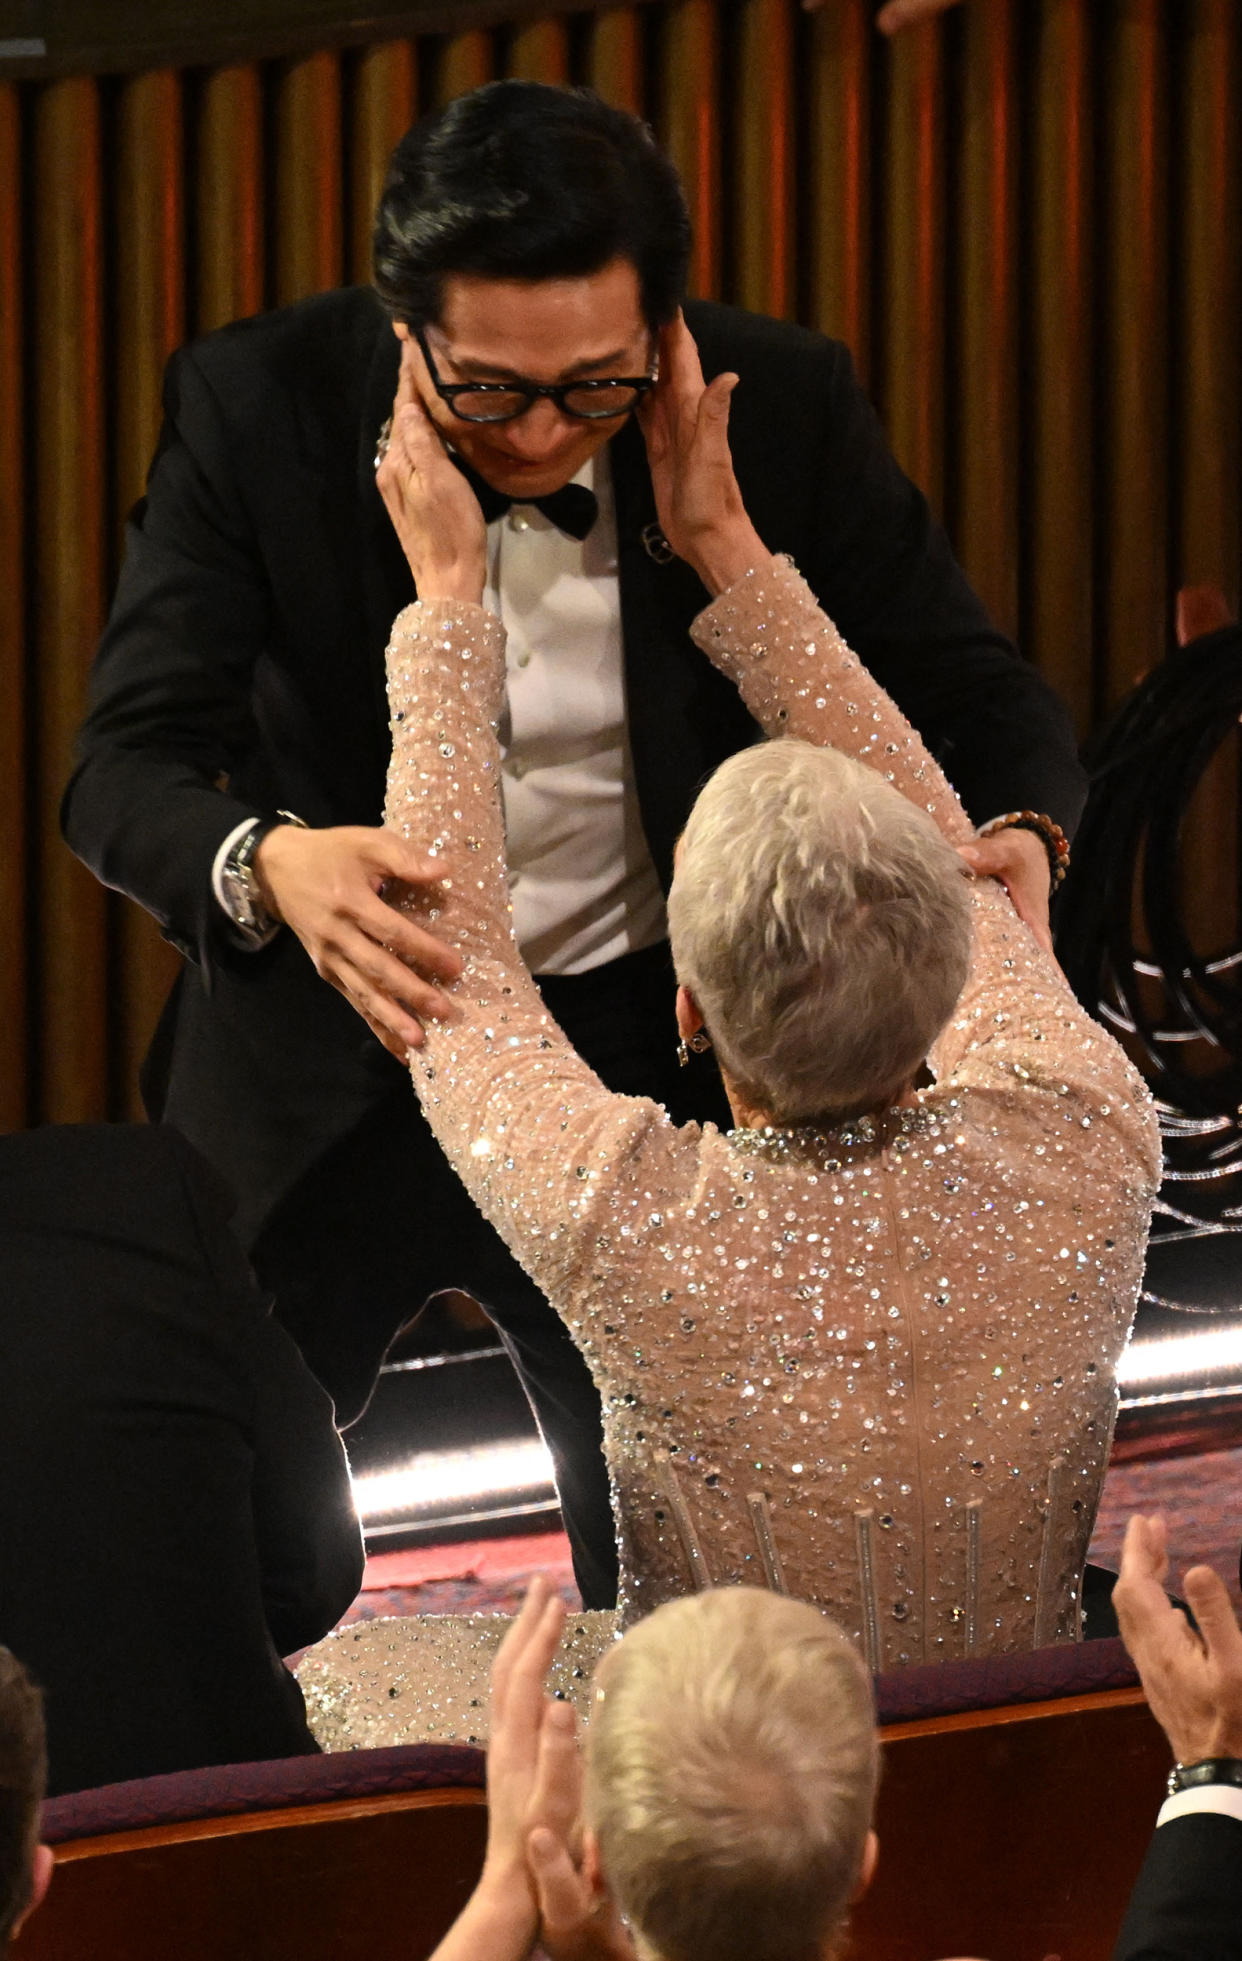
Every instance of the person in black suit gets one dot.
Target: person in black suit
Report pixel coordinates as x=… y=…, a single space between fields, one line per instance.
x=175 y=1508
x=530 y=242
x=1187 y=1904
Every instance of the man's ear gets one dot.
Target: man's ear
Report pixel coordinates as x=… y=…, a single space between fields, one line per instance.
x=40 y=1880
x=689 y=1020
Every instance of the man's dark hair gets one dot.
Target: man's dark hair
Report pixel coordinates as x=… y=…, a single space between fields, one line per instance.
x=521 y=180
x=23 y=1775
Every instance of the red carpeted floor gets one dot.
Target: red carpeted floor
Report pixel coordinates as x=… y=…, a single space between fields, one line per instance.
x=1201 y=1496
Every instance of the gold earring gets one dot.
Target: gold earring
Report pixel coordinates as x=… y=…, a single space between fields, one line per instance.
x=700 y=1042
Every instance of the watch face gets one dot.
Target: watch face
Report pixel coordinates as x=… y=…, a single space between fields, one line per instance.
x=238 y=895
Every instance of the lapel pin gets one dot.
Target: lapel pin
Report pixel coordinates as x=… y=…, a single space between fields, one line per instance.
x=656 y=545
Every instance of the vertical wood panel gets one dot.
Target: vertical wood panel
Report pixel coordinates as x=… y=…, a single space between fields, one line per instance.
x=150 y=268
x=13 y=879
x=309 y=201
x=914 y=343
x=150 y=322
x=837 y=240
x=1023 y=387
x=539 y=52
x=690 y=129
x=1058 y=573
x=615 y=58
x=1135 y=613
x=763 y=195
x=230 y=198
x=466 y=62
x=385 y=103
x=1207 y=284
x=1207 y=454
x=70 y=491
x=985 y=521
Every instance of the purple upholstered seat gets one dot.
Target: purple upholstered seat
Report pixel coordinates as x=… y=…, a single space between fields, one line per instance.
x=948 y=1688
x=904 y=1695
x=229 y=1789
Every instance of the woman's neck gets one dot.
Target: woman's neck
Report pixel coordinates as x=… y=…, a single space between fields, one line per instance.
x=752 y=1116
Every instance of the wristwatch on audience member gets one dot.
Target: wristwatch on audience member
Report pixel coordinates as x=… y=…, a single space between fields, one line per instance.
x=1212 y=1770
x=243 y=899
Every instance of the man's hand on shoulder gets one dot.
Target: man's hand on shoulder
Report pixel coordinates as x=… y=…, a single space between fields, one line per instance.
x=326 y=887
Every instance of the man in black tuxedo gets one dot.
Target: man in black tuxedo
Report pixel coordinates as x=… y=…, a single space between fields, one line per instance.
x=175 y=1509
x=1187 y=1905
x=530 y=242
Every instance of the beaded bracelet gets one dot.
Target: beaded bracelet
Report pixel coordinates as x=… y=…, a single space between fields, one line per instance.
x=1050 y=834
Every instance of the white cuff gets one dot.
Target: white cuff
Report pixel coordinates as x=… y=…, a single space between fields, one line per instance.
x=1223 y=1798
x=244 y=937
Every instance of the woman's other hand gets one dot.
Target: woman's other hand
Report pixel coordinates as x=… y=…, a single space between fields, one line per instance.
x=434 y=512
x=685 y=424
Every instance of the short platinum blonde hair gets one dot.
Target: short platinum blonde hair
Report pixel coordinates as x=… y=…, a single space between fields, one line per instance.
x=822 y=923
x=731 y=1764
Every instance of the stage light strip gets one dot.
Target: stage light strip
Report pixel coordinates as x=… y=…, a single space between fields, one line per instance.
x=439 y=1480
x=445 y=1480
x=1177 y=1358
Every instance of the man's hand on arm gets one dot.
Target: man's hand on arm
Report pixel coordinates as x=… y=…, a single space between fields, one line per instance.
x=325 y=885
x=1020 y=861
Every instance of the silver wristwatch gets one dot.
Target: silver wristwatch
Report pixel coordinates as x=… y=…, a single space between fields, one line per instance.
x=242 y=898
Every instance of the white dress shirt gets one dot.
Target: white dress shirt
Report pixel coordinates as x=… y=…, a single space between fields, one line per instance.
x=583 y=885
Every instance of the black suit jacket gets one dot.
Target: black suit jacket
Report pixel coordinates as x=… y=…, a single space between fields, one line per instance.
x=175 y=1509
x=242 y=669
x=1187 y=1905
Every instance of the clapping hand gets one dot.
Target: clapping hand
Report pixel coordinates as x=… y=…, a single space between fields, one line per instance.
x=1193 y=1680
x=685 y=424
x=500 y=1920
x=534 y=1883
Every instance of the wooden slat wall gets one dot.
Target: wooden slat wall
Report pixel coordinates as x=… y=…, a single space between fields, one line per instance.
x=1025 y=218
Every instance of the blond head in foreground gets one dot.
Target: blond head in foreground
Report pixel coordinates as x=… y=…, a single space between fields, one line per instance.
x=731 y=1772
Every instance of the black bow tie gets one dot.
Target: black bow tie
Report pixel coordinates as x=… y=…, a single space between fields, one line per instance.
x=573 y=508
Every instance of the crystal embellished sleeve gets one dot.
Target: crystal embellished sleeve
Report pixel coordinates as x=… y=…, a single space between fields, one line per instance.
x=547 y=1152
x=1017 y=1027
x=798 y=678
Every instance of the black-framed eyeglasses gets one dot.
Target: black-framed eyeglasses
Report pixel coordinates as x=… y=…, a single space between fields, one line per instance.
x=504 y=401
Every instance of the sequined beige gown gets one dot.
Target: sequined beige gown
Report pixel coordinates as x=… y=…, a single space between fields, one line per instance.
x=874 y=1367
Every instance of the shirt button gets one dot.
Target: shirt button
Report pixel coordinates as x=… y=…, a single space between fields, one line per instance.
x=516 y=769
x=518 y=521
x=523 y=659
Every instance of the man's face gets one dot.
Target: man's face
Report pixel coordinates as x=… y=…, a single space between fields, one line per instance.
x=546 y=330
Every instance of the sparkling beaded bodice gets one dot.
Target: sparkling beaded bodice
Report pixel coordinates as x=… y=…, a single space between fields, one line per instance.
x=873 y=1366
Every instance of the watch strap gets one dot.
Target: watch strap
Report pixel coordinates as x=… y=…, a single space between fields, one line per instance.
x=1209 y=1770
x=243 y=900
